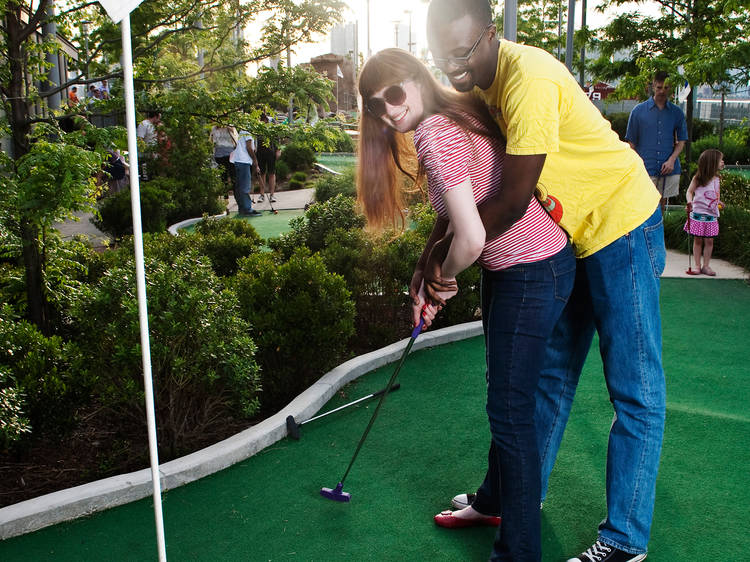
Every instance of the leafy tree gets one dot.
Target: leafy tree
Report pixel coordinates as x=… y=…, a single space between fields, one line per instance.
x=699 y=41
x=539 y=23
x=46 y=175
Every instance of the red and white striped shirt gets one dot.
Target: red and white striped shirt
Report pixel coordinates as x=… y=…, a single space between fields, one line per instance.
x=450 y=155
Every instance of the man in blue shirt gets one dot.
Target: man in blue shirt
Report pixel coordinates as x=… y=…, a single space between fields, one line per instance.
x=657 y=132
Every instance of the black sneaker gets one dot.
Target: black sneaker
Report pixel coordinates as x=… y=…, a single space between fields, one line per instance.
x=601 y=552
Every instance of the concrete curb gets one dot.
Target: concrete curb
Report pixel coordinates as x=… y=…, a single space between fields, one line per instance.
x=50 y=509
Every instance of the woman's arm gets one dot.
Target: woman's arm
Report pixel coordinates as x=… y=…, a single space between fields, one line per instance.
x=438 y=231
x=468 y=230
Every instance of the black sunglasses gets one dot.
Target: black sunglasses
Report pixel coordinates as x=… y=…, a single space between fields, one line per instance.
x=394 y=95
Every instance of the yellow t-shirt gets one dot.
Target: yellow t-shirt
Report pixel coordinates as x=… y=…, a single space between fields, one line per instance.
x=594 y=185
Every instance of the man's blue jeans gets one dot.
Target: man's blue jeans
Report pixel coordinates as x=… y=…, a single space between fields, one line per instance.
x=243 y=187
x=520 y=306
x=617 y=293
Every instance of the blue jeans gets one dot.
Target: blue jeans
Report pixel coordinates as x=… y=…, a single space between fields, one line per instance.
x=617 y=293
x=243 y=187
x=520 y=307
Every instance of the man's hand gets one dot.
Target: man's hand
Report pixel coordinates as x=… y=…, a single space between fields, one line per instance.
x=668 y=167
x=435 y=286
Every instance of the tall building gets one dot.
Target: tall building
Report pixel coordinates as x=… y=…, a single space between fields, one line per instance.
x=344 y=40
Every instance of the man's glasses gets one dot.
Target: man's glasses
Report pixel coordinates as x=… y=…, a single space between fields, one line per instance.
x=460 y=62
x=394 y=95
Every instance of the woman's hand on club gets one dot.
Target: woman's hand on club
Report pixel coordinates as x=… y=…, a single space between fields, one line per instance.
x=420 y=308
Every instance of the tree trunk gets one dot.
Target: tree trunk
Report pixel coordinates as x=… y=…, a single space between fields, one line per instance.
x=721 y=119
x=20 y=128
x=36 y=306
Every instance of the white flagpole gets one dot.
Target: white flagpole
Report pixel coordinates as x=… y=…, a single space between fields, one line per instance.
x=127 y=70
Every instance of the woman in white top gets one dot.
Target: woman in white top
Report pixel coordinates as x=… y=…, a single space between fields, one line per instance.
x=245 y=162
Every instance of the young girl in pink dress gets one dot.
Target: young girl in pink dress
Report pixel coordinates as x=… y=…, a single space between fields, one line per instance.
x=703 y=206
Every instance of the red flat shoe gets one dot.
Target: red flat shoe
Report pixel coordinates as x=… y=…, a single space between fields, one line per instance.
x=446 y=519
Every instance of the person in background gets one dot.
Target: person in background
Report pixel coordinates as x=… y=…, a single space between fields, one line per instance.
x=560 y=148
x=245 y=163
x=104 y=90
x=146 y=132
x=73 y=96
x=527 y=273
x=703 y=206
x=267 y=153
x=118 y=173
x=657 y=132
x=224 y=139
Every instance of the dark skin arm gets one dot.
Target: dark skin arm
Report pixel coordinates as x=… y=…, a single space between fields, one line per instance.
x=498 y=213
x=438 y=232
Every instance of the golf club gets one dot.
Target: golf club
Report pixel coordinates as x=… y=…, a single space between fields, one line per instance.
x=337 y=494
x=690 y=270
x=292 y=426
x=272 y=210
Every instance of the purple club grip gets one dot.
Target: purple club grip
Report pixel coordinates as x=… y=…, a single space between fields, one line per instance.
x=418 y=328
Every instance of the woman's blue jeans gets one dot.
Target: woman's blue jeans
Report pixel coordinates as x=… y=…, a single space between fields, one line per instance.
x=520 y=306
x=617 y=293
x=243 y=187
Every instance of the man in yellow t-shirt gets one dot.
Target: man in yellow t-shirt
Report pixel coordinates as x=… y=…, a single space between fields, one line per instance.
x=560 y=148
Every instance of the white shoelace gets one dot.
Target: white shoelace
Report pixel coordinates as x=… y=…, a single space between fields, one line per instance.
x=597 y=552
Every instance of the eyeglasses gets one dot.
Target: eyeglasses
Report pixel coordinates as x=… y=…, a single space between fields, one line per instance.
x=460 y=62
x=394 y=95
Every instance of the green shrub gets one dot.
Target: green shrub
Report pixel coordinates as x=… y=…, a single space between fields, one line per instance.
x=619 y=122
x=301 y=317
x=201 y=354
x=298 y=156
x=378 y=272
x=734 y=148
x=282 y=170
x=735 y=190
x=196 y=187
x=156 y=206
x=330 y=185
x=296 y=184
x=319 y=220
x=13 y=423
x=42 y=371
x=225 y=241
x=299 y=176
x=344 y=142
x=701 y=129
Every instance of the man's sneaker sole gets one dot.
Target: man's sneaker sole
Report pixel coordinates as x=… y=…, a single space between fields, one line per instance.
x=602 y=552
x=463 y=500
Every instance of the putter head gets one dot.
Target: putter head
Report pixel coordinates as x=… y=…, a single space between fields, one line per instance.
x=292 y=428
x=336 y=494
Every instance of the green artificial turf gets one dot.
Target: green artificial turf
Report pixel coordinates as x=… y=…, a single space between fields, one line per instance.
x=268 y=225
x=337 y=162
x=429 y=443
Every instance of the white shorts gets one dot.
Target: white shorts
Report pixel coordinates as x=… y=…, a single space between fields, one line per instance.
x=668 y=186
